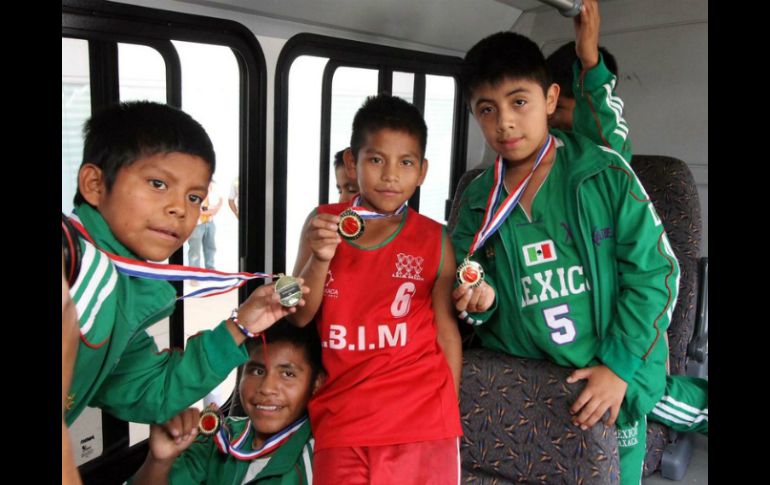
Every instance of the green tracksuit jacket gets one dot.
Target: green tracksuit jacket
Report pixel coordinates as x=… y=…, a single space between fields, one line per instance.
x=633 y=274
x=118 y=367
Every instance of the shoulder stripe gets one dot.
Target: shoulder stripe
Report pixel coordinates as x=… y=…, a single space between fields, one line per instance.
x=615 y=104
x=103 y=294
x=99 y=277
x=89 y=258
x=622 y=128
x=307 y=457
x=93 y=269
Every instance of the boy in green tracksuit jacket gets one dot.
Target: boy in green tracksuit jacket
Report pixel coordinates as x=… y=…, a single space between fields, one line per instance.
x=275 y=445
x=579 y=270
x=587 y=104
x=146 y=169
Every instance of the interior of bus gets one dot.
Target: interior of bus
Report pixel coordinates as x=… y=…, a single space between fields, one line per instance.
x=276 y=84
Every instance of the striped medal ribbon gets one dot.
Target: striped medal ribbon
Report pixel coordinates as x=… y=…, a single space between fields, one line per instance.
x=471 y=272
x=351 y=225
x=235 y=448
x=174 y=272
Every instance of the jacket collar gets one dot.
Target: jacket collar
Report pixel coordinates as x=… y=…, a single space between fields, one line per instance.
x=583 y=156
x=100 y=231
x=287 y=455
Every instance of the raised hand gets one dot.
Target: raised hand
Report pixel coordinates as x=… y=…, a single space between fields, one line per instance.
x=263 y=308
x=323 y=237
x=170 y=439
x=587 y=34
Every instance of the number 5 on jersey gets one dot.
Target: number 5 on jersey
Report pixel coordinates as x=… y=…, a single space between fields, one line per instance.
x=556 y=318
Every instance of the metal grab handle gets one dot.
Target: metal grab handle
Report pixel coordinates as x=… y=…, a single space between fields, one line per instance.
x=568 y=8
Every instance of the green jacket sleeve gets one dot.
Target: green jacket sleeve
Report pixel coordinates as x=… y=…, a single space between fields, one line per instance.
x=468 y=222
x=648 y=277
x=147 y=386
x=598 y=109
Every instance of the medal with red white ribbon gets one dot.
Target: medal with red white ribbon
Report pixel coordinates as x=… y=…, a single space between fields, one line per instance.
x=471 y=272
x=236 y=447
x=351 y=225
x=177 y=272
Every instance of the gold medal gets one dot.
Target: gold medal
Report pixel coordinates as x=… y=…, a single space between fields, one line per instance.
x=289 y=290
x=209 y=422
x=351 y=225
x=471 y=273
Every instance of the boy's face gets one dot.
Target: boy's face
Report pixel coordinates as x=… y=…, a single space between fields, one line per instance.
x=275 y=396
x=388 y=168
x=561 y=118
x=513 y=115
x=154 y=204
x=347 y=188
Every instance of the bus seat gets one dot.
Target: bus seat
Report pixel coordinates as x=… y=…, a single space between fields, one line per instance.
x=465 y=180
x=517 y=427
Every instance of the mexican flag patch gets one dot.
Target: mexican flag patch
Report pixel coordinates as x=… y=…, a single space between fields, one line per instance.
x=540 y=252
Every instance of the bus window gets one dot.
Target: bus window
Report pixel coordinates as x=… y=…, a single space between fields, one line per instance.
x=350 y=87
x=403 y=85
x=303 y=139
x=104 y=61
x=141 y=73
x=75 y=109
x=439 y=116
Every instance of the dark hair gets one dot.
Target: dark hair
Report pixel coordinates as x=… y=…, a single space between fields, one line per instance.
x=560 y=66
x=499 y=56
x=302 y=337
x=338 y=161
x=386 y=111
x=119 y=135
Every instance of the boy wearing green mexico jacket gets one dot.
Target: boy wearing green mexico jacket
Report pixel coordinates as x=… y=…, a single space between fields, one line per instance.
x=580 y=271
x=272 y=445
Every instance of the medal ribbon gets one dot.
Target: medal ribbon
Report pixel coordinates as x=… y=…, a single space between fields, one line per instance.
x=235 y=448
x=494 y=219
x=174 y=272
x=365 y=213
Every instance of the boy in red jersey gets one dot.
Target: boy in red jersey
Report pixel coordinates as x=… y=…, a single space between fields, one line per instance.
x=388 y=411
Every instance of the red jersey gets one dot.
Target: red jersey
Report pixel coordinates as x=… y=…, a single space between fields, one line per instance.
x=388 y=380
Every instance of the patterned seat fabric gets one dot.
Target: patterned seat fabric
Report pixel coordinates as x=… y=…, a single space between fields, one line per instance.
x=517 y=426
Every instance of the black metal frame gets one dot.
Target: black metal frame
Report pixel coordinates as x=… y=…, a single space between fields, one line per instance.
x=348 y=53
x=104 y=24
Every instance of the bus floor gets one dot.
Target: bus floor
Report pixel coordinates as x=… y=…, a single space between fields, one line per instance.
x=697 y=472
